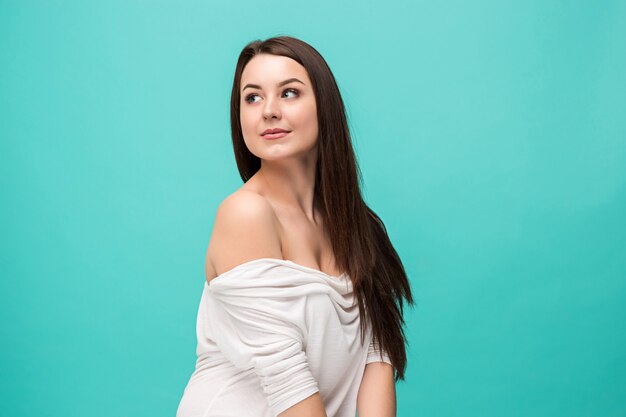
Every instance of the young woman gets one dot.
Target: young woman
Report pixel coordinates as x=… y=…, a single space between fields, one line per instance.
x=301 y=313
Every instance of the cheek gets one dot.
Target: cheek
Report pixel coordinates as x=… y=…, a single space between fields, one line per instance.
x=311 y=121
x=248 y=129
x=247 y=124
x=306 y=118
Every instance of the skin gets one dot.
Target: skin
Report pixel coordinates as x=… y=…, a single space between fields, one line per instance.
x=377 y=392
x=287 y=173
x=283 y=190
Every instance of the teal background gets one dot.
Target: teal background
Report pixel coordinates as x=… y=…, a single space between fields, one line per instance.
x=492 y=140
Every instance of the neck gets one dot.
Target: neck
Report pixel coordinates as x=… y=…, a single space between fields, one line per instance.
x=290 y=183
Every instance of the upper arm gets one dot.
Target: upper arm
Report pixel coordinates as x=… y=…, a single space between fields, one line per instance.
x=257 y=332
x=377 y=392
x=245 y=229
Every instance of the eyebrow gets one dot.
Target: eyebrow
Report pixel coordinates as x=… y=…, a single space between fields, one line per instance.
x=280 y=84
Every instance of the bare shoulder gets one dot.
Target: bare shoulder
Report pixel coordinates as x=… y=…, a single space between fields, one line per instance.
x=245 y=228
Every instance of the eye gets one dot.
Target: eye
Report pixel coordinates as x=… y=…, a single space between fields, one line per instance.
x=292 y=90
x=288 y=90
x=247 y=99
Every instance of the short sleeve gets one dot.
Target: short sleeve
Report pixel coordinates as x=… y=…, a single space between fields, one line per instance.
x=259 y=334
x=377 y=355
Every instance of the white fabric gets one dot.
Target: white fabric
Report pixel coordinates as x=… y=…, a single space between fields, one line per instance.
x=271 y=333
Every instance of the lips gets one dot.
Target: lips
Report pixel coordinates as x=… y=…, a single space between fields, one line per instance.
x=275 y=130
x=277 y=135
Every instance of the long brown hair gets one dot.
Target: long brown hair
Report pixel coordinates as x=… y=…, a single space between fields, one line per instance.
x=358 y=236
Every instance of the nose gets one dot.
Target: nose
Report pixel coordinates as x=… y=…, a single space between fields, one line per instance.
x=271 y=109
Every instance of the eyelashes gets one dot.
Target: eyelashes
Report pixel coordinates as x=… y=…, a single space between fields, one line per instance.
x=291 y=90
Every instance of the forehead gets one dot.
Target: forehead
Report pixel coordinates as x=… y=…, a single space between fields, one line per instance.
x=268 y=70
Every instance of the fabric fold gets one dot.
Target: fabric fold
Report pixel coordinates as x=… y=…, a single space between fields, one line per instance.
x=271 y=333
x=257 y=313
x=377 y=354
x=252 y=338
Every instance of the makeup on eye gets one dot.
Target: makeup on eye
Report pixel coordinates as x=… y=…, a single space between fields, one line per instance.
x=293 y=90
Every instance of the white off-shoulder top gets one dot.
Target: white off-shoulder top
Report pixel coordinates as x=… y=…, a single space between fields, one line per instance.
x=271 y=333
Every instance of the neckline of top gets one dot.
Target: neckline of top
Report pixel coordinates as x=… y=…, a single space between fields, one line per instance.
x=287 y=262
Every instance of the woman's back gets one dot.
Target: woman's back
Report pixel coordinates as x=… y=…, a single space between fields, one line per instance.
x=271 y=332
x=249 y=225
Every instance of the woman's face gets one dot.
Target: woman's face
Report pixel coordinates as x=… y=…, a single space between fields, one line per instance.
x=276 y=92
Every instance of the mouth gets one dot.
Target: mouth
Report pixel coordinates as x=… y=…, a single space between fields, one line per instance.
x=276 y=135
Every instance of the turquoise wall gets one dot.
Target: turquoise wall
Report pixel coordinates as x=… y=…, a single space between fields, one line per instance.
x=492 y=140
